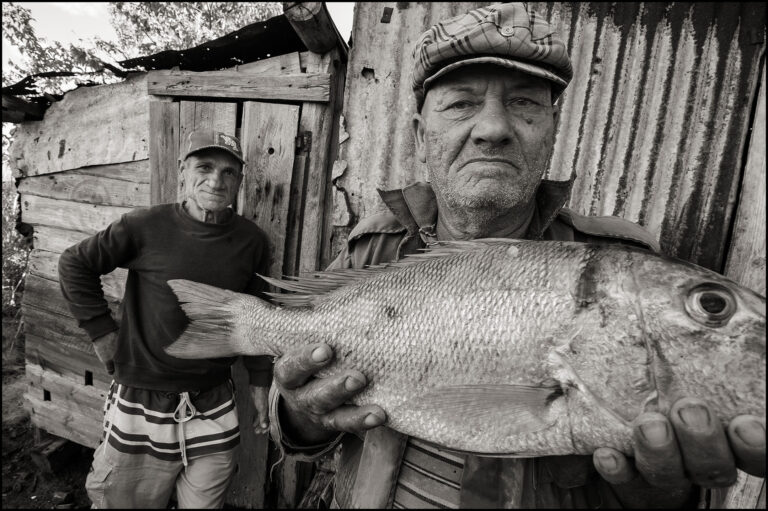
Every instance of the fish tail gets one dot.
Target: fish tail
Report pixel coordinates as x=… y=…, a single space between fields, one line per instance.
x=216 y=328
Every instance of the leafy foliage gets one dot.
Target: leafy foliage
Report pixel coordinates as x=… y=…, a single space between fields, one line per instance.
x=15 y=252
x=41 y=55
x=142 y=28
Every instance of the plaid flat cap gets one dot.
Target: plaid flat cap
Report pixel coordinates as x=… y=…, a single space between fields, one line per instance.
x=508 y=35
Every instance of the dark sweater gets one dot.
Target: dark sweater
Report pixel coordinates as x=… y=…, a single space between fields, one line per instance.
x=158 y=244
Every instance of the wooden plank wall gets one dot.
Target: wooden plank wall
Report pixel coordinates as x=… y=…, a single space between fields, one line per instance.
x=101 y=152
x=67 y=383
x=80 y=130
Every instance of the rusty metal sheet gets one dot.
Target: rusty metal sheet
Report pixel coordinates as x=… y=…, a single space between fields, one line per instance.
x=654 y=122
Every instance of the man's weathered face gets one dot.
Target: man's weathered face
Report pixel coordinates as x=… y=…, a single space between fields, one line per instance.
x=212 y=178
x=486 y=134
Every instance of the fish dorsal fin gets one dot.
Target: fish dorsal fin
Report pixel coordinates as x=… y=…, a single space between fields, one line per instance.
x=522 y=408
x=309 y=287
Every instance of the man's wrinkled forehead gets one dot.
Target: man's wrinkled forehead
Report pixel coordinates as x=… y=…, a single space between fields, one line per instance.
x=475 y=80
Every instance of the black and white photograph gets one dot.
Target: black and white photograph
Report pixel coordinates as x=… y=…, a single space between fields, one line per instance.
x=377 y=255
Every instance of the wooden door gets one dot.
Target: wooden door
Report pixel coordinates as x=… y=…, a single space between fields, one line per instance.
x=268 y=134
x=285 y=110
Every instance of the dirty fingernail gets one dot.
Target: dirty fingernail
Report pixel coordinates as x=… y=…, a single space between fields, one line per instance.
x=751 y=433
x=321 y=354
x=352 y=384
x=694 y=416
x=655 y=432
x=607 y=461
x=372 y=420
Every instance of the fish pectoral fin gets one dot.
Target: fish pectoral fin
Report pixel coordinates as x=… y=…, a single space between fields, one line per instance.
x=522 y=408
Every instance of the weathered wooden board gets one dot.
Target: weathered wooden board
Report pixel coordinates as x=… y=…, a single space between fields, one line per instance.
x=54 y=239
x=246 y=489
x=163 y=151
x=66 y=214
x=87 y=396
x=58 y=418
x=73 y=186
x=232 y=84
x=61 y=358
x=45 y=264
x=57 y=328
x=46 y=294
x=295 y=221
x=268 y=137
x=286 y=64
x=313 y=25
x=89 y=126
x=746 y=257
x=746 y=265
x=133 y=171
x=320 y=121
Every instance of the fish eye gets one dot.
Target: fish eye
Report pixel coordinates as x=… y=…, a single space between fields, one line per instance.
x=710 y=304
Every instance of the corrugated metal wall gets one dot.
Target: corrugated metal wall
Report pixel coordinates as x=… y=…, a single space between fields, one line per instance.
x=654 y=122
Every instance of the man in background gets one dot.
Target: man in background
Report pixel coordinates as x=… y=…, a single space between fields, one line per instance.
x=170 y=424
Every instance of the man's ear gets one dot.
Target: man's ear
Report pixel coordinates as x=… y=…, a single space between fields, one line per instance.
x=181 y=177
x=418 y=137
x=555 y=114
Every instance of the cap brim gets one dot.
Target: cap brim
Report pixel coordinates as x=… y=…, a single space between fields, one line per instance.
x=500 y=61
x=230 y=151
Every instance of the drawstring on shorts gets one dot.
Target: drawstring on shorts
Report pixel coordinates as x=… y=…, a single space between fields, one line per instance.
x=184 y=412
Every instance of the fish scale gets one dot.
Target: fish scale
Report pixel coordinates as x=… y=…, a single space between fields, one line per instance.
x=509 y=347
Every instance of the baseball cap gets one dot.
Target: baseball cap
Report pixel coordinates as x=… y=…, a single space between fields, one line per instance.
x=507 y=35
x=210 y=139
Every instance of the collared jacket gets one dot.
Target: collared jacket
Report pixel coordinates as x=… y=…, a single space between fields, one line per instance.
x=367 y=471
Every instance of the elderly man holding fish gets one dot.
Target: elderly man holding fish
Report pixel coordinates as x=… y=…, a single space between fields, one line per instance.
x=170 y=424
x=487 y=85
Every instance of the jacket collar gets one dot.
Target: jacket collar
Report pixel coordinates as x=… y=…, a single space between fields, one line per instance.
x=415 y=206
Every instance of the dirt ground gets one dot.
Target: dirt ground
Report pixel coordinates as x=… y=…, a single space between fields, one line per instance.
x=24 y=485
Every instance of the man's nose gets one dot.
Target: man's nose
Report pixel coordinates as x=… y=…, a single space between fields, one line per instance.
x=492 y=125
x=215 y=179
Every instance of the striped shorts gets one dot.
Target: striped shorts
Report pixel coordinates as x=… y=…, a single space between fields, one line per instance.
x=157 y=442
x=171 y=426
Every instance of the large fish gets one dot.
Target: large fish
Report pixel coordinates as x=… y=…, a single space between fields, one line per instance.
x=510 y=347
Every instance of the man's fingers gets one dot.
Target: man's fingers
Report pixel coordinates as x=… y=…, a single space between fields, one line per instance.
x=260 y=425
x=746 y=434
x=657 y=455
x=320 y=396
x=705 y=450
x=613 y=466
x=294 y=368
x=354 y=419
